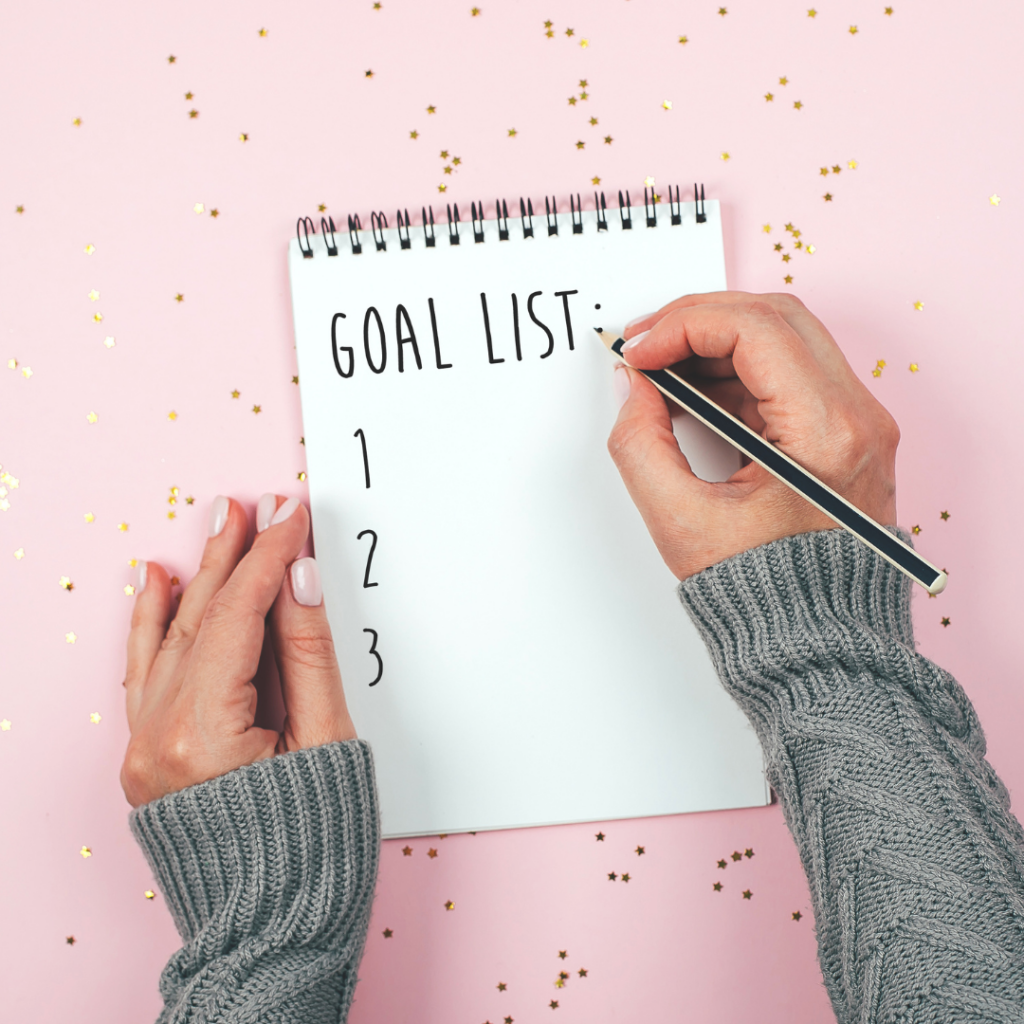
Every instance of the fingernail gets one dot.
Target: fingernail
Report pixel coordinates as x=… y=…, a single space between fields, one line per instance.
x=219 y=514
x=638 y=320
x=285 y=511
x=265 y=509
x=306 y=584
x=140 y=585
x=620 y=382
x=635 y=340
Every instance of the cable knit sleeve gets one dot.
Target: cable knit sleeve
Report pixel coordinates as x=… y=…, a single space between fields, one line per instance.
x=269 y=873
x=915 y=862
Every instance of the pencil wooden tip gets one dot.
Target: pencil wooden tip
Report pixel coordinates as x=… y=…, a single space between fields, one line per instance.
x=607 y=337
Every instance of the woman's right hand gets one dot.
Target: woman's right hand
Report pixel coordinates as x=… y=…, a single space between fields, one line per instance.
x=770 y=362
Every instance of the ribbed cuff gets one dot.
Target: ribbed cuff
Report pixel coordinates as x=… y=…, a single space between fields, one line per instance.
x=284 y=851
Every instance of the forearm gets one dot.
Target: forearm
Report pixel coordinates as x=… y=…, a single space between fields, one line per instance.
x=915 y=863
x=269 y=873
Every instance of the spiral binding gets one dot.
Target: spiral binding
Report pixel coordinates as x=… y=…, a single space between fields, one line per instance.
x=305 y=227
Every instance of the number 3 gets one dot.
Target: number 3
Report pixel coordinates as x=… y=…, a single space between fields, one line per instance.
x=376 y=654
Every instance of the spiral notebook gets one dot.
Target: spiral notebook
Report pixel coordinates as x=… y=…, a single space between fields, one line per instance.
x=510 y=639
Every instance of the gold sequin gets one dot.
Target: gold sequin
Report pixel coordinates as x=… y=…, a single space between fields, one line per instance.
x=95 y=718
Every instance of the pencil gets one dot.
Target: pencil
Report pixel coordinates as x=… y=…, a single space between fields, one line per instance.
x=808 y=486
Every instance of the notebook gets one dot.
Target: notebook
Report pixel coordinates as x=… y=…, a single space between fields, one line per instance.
x=510 y=640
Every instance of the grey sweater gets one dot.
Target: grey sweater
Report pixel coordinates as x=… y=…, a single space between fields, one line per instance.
x=915 y=863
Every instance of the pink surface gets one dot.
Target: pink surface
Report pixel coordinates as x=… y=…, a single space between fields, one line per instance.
x=927 y=101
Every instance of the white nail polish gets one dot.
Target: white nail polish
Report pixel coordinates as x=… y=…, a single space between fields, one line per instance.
x=306 y=585
x=219 y=514
x=265 y=509
x=285 y=511
x=620 y=383
x=635 y=340
x=140 y=584
x=638 y=319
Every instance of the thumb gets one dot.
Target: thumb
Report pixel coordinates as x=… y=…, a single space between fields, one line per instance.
x=645 y=451
x=306 y=662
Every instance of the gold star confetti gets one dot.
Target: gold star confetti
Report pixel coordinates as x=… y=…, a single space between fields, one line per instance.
x=852 y=164
x=95 y=718
x=783 y=80
x=257 y=409
x=70 y=940
x=12 y=364
x=65 y=582
x=853 y=30
x=474 y=11
x=295 y=379
x=431 y=853
x=583 y=83
x=91 y=417
x=717 y=886
x=747 y=894
x=448 y=169
x=915 y=530
x=562 y=954
x=768 y=97
x=876 y=372
x=625 y=876
x=945 y=621
x=442 y=187
x=263 y=32
x=132 y=562
x=198 y=208
x=798 y=245
x=666 y=104
x=726 y=156
x=994 y=200
x=553 y=1004
x=109 y=341
x=810 y=250
x=572 y=101
x=723 y=11
x=584 y=43
x=599 y=837
x=123 y=527
x=19 y=554
x=449 y=905
x=368 y=73
x=827 y=197
x=188 y=95
x=570 y=32
x=235 y=393
x=193 y=114
x=444 y=154
x=129 y=590
x=836 y=169
x=215 y=213
x=172 y=515
x=171 y=59
x=179 y=297
x=919 y=306
x=888 y=11
x=648 y=182
x=612 y=876
x=550 y=33
x=77 y=122
x=376 y=5
x=559 y=982
x=414 y=134
x=175 y=581
x=98 y=317
x=593 y=121
x=301 y=476
x=786 y=257
x=580 y=144
x=736 y=855
x=243 y=137
x=512 y=133
x=70 y=638
x=748 y=853
x=406 y=851
x=582 y=972
x=796 y=915
x=85 y=852
x=90 y=249
x=823 y=171
x=172 y=415
x=584 y=96
x=431 y=109
x=149 y=894
x=812 y=13
x=943 y=516
x=683 y=40
x=608 y=140
x=799 y=105
x=788 y=279
x=914 y=367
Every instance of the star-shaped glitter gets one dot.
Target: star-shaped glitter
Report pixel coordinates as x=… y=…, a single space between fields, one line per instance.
x=198 y=208
x=582 y=972
x=599 y=837
x=640 y=851
x=406 y=851
x=414 y=134
x=768 y=97
x=796 y=915
x=748 y=853
x=666 y=104
x=914 y=367
x=798 y=105
x=572 y=101
x=827 y=197
x=915 y=530
x=943 y=516
x=747 y=894
x=559 y=982
x=726 y=156
x=777 y=247
x=65 y=582
x=77 y=122
x=71 y=940
x=19 y=554
x=612 y=876
x=580 y=144
x=823 y=171
x=919 y=306
x=853 y=30
x=19 y=208
x=788 y=279
x=188 y=95
x=149 y=894
x=5 y=725
x=994 y=200
x=95 y=717
x=607 y=140
x=444 y=154
x=723 y=11
x=683 y=40
x=945 y=621
x=129 y=590
x=625 y=876
x=431 y=109
x=448 y=169
x=783 y=80
x=179 y=297
x=570 y=32
x=388 y=933
x=243 y=137
x=175 y=581
x=852 y=164
x=722 y=864
x=736 y=855
x=442 y=187
x=449 y=905
x=553 y=1004
x=85 y=852
x=257 y=409
x=786 y=257
x=122 y=527
x=376 y=5
x=512 y=133
x=508 y=1020
x=475 y=11
x=584 y=96
x=171 y=59
x=717 y=886
x=193 y=114
x=502 y=986
x=431 y=853
x=810 y=250
x=548 y=24
x=593 y=122
x=562 y=954
x=812 y=13
x=172 y=415
x=263 y=32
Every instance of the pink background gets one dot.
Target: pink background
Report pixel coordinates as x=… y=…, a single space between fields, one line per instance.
x=927 y=101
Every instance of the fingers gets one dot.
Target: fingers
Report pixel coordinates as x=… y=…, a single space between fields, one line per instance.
x=229 y=641
x=310 y=678
x=227 y=529
x=149 y=625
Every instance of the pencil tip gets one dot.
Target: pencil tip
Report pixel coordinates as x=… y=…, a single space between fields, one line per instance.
x=600 y=330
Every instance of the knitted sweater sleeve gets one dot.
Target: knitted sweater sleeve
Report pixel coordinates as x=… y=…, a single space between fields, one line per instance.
x=269 y=873
x=915 y=862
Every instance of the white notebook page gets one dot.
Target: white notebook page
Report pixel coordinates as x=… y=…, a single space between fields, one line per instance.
x=537 y=666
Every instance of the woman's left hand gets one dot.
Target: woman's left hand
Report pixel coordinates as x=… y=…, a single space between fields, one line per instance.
x=190 y=697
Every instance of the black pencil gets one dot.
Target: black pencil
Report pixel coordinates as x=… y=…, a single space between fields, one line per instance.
x=765 y=454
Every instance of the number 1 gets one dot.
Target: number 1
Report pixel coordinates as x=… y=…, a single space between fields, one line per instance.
x=366 y=462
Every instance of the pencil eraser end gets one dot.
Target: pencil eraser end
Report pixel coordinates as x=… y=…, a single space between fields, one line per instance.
x=939 y=585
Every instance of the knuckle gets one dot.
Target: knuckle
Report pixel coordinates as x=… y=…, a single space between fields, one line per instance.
x=137 y=766
x=176 y=754
x=782 y=302
x=762 y=309
x=180 y=634
x=312 y=649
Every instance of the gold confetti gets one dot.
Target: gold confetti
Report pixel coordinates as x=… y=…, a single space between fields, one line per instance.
x=608 y=140
x=798 y=105
x=853 y=30
x=914 y=367
x=919 y=306
x=172 y=515
x=70 y=638
x=65 y=582
x=188 y=95
x=827 y=197
x=98 y=317
x=994 y=200
x=179 y=297
x=943 y=516
x=431 y=109
x=129 y=590
x=132 y=562
x=235 y=393
x=666 y=104
x=584 y=95
x=149 y=894
x=584 y=43
x=19 y=554
x=301 y=475
x=5 y=725
x=171 y=59
x=852 y=164
x=414 y=134
x=175 y=581
x=109 y=341
x=726 y=156
x=837 y=169
x=723 y=11
x=19 y=208
x=193 y=114
x=123 y=527
x=788 y=279
x=243 y=137
x=95 y=718
x=263 y=33
x=198 y=208
x=888 y=11
x=442 y=187
x=810 y=250
x=89 y=517
x=77 y=122
x=593 y=122
x=449 y=905
x=554 y=1002
x=91 y=417
x=648 y=182
x=90 y=249
x=768 y=97
x=747 y=894
x=812 y=13
x=783 y=80
x=388 y=933
x=823 y=171
x=915 y=530
x=368 y=73
x=945 y=621
x=475 y=11
x=444 y=154
x=85 y=852
x=12 y=364
x=406 y=851
x=257 y=409
x=172 y=415
x=572 y=101
x=580 y=144
x=570 y=32
x=595 y=180
x=683 y=40
x=512 y=133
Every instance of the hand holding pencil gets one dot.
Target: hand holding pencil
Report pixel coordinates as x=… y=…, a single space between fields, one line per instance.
x=772 y=364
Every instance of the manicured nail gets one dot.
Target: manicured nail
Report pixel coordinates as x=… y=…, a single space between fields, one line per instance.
x=638 y=320
x=219 y=514
x=140 y=585
x=635 y=340
x=285 y=511
x=620 y=382
x=306 y=584
x=265 y=509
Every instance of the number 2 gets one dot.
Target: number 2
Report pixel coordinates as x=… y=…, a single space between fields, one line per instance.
x=369 y=557
x=376 y=654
